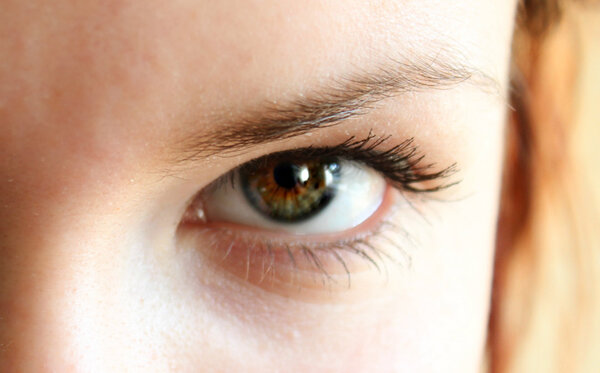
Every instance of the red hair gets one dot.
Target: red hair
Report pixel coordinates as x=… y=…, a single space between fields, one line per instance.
x=544 y=302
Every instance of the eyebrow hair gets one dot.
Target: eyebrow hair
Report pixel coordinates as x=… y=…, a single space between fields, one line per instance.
x=341 y=99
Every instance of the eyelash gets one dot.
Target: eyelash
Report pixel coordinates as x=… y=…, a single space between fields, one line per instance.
x=401 y=165
x=362 y=247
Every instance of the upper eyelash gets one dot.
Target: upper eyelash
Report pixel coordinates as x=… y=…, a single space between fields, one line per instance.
x=402 y=164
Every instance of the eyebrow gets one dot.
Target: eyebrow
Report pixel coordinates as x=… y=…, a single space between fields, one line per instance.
x=333 y=103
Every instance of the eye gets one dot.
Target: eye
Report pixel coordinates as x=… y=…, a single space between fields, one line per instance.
x=332 y=211
x=296 y=196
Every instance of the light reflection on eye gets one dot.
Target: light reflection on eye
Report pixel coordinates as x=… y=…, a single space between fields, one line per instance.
x=297 y=197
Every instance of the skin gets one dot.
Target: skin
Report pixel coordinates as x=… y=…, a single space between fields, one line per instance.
x=95 y=99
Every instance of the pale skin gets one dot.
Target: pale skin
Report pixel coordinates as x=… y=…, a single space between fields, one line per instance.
x=96 y=100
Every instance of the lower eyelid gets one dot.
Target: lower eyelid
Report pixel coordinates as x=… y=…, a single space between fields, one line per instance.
x=284 y=263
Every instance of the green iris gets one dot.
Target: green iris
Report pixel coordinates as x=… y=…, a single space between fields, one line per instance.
x=291 y=191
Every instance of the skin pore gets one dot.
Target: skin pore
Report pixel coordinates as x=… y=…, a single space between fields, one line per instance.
x=111 y=116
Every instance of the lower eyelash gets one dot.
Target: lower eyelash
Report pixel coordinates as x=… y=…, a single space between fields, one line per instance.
x=260 y=260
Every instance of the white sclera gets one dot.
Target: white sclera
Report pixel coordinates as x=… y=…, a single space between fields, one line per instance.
x=359 y=194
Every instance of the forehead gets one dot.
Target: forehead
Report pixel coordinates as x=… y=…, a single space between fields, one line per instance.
x=216 y=45
x=131 y=71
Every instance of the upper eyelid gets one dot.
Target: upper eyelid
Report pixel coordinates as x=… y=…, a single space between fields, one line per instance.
x=401 y=163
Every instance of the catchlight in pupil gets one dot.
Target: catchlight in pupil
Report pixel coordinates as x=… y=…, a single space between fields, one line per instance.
x=291 y=191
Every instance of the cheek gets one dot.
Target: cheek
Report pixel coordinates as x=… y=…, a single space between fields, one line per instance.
x=425 y=316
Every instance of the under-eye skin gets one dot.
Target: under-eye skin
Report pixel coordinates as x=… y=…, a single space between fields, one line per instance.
x=314 y=216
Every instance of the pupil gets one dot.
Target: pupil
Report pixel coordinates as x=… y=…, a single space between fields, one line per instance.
x=287 y=175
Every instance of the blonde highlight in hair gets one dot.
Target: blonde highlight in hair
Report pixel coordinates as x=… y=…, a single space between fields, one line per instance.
x=547 y=273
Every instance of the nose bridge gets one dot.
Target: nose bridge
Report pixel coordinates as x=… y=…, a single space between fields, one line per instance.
x=66 y=207
x=50 y=258
x=34 y=284
x=32 y=289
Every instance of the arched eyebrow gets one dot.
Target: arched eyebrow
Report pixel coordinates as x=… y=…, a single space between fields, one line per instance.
x=331 y=104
